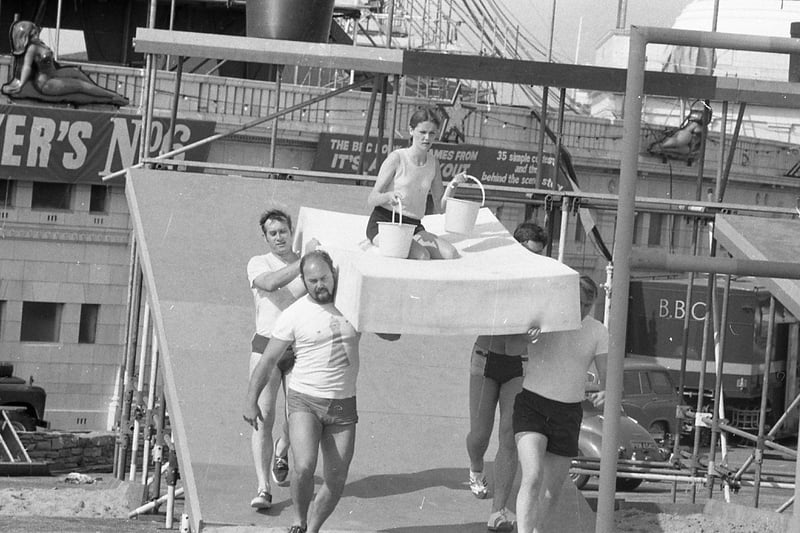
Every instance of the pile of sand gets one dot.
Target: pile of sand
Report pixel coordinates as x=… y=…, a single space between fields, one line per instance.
x=717 y=517
x=101 y=500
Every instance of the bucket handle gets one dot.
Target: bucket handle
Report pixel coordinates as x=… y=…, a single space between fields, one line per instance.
x=480 y=185
x=399 y=212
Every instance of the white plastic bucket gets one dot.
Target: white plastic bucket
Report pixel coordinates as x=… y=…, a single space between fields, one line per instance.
x=395 y=237
x=460 y=215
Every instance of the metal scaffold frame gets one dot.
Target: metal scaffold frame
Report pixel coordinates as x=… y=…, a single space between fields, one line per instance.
x=637 y=84
x=639 y=39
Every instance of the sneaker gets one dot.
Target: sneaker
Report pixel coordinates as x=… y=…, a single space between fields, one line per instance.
x=478 y=485
x=280 y=469
x=263 y=500
x=501 y=521
x=297 y=529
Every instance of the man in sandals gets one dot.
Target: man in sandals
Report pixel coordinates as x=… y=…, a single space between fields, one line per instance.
x=321 y=398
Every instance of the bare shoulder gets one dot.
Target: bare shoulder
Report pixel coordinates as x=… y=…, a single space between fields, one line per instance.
x=396 y=155
x=392 y=161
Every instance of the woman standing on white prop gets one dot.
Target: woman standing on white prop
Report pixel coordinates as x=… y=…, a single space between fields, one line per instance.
x=408 y=175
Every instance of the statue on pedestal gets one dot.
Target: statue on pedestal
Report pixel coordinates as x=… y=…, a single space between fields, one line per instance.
x=37 y=75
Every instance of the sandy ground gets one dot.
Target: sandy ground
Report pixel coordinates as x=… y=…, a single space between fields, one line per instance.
x=636 y=521
x=31 y=504
x=103 y=500
x=44 y=504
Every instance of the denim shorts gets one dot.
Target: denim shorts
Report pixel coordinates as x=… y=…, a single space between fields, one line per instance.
x=329 y=411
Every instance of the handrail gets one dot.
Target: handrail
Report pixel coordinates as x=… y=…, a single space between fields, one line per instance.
x=229 y=100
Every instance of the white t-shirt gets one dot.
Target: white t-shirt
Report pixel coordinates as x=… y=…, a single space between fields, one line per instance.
x=270 y=304
x=326 y=347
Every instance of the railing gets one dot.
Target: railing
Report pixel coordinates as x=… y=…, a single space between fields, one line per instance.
x=232 y=100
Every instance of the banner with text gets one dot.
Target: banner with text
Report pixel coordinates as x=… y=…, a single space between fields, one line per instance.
x=68 y=145
x=493 y=166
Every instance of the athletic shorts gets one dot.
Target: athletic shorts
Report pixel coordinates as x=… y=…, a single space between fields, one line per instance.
x=329 y=412
x=497 y=366
x=381 y=214
x=285 y=363
x=560 y=422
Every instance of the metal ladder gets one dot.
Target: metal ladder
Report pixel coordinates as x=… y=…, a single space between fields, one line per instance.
x=14 y=458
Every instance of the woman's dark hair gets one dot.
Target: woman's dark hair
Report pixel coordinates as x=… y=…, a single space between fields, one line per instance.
x=425 y=114
x=274 y=214
x=528 y=231
x=588 y=287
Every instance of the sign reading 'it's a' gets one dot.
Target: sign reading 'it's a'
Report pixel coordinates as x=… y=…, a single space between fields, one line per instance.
x=492 y=166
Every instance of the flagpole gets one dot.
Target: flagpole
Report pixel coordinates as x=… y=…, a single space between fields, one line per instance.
x=58 y=30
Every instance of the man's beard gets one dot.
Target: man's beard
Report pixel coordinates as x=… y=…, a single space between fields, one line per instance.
x=322 y=296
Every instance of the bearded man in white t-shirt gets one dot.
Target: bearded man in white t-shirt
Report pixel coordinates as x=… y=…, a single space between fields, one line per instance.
x=321 y=396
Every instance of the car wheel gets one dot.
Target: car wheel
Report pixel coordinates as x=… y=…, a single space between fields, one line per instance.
x=660 y=433
x=580 y=480
x=627 y=484
x=22 y=421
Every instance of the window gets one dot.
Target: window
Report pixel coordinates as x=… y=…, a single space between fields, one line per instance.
x=630 y=383
x=70 y=42
x=580 y=233
x=2 y=312
x=98 y=199
x=41 y=322
x=88 y=325
x=660 y=383
x=638 y=221
x=6 y=193
x=51 y=195
x=654 y=231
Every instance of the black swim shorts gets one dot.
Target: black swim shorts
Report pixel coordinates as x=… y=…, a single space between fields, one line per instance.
x=560 y=422
x=381 y=214
x=285 y=363
x=500 y=367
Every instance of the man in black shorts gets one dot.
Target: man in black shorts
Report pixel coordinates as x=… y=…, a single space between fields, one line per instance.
x=496 y=371
x=547 y=413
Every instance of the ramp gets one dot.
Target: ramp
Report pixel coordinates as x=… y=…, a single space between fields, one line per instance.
x=764 y=239
x=196 y=233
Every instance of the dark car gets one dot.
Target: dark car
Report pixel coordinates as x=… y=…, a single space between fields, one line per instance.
x=634 y=443
x=22 y=402
x=650 y=397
